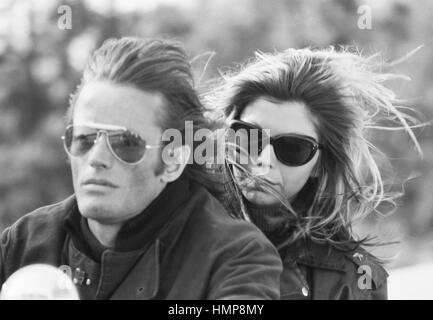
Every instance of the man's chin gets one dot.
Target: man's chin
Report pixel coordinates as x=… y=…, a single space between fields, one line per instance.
x=94 y=209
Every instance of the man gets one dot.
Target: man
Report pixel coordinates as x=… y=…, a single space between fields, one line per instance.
x=139 y=227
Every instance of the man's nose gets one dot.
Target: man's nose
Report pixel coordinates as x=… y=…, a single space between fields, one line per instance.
x=100 y=154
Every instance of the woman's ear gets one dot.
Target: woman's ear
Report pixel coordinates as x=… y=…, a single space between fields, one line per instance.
x=175 y=162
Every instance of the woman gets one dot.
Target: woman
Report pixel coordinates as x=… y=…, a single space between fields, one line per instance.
x=314 y=172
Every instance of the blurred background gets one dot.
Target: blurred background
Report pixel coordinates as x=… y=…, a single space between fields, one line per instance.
x=43 y=52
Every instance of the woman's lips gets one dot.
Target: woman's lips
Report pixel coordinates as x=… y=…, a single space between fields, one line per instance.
x=255 y=185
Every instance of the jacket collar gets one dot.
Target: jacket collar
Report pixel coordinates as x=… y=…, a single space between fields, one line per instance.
x=144 y=228
x=324 y=256
x=137 y=232
x=156 y=225
x=145 y=276
x=316 y=255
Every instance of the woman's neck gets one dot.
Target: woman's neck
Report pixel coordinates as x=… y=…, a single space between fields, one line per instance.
x=269 y=219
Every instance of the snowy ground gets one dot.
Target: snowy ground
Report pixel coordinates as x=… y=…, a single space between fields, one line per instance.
x=410 y=283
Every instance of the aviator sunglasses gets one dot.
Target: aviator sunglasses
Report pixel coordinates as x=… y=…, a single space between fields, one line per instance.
x=293 y=150
x=126 y=146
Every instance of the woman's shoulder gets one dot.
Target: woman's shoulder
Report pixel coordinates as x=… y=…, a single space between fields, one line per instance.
x=365 y=273
x=369 y=270
x=338 y=273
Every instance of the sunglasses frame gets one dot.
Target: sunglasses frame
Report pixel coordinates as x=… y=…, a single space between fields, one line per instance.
x=103 y=129
x=272 y=140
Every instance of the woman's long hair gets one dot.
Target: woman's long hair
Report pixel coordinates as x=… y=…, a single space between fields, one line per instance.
x=346 y=96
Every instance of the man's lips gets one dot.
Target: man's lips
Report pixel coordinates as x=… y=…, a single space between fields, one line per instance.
x=99 y=182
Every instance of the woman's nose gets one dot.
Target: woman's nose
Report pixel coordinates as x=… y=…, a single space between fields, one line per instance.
x=265 y=161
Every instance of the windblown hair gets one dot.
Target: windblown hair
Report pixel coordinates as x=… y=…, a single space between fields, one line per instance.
x=346 y=96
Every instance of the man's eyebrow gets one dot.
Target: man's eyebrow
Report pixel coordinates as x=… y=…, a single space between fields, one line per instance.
x=102 y=126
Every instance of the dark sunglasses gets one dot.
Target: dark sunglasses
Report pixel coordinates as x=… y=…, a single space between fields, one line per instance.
x=293 y=150
x=126 y=146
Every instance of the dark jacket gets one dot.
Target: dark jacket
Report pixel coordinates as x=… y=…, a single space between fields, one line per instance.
x=311 y=270
x=196 y=252
x=321 y=272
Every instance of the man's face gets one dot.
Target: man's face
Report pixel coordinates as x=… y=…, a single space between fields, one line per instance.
x=134 y=186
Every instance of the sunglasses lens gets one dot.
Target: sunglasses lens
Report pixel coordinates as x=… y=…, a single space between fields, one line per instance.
x=294 y=151
x=248 y=140
x=79 y=140
x=127 y=146
x=291 y=150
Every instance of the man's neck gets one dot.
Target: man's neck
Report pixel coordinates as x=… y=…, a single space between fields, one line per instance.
x=105 y=233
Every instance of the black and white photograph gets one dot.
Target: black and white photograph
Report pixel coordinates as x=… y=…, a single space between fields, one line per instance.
x=216 y=150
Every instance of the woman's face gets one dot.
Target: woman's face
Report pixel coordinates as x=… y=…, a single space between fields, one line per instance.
x=280 y=118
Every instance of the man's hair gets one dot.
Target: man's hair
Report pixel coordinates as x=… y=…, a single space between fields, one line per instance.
x=345 y=95
x=151 y=65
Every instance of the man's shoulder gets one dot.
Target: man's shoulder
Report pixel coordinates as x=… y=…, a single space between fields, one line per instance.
x=211 y=219
x=227 y=257
x=35 y=238
x=50 y=216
